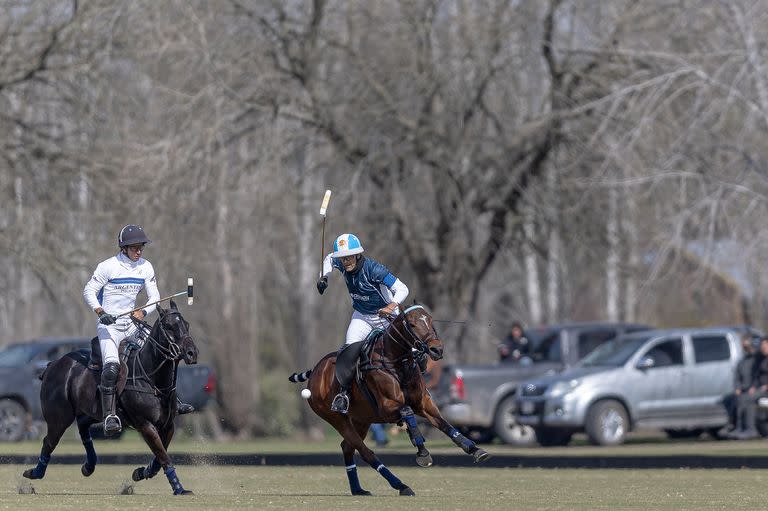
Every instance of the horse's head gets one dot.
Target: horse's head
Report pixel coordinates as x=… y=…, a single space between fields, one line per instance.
x=420 y=332
x=176 y=329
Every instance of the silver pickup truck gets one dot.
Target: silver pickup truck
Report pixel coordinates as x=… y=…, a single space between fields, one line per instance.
x=674 y=380
x=480 y=399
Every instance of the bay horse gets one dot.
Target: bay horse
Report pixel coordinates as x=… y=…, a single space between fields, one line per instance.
x=396 y=385
x=147 y=403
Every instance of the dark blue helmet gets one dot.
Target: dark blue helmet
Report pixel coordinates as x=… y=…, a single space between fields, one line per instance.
x=132 y=235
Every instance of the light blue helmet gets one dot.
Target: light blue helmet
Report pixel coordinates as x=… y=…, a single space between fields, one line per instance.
x=346 y=245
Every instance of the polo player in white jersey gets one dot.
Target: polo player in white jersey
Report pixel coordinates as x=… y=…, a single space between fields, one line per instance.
x=113 y=289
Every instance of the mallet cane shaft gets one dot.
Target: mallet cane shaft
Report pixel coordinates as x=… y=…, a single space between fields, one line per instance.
x=189 y=294
x=323 y=209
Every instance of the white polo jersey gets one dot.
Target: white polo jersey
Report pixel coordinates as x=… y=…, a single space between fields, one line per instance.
x=117 y=282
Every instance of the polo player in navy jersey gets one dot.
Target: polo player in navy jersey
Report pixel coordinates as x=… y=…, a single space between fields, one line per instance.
x=376 y=296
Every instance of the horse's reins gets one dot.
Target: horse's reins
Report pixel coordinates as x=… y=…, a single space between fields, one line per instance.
x=170 y=354
x=418 y=344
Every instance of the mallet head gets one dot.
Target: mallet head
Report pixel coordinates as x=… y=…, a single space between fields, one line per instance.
x=190 y=294
x=326 y=200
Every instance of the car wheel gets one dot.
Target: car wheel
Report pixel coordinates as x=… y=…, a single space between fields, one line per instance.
x=553 y=437
x=607 y=423
x=506 y=426
x=761 y=424
x=13 y=420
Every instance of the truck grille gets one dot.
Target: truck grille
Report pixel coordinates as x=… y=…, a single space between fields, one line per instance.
x=531 y=389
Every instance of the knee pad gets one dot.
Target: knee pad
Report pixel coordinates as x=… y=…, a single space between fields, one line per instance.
x=109 y=374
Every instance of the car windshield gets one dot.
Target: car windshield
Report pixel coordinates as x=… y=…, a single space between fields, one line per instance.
x=17 y=355
x=615 y=352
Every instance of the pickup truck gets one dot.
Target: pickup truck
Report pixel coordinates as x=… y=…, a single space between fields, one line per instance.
x=480 y=399
x=675 y=380
x=22 y=363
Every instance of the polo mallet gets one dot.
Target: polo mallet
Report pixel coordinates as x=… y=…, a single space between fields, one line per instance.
x=323 y=208
x=188 y=292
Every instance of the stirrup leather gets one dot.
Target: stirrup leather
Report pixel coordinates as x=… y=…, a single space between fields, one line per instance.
x=340 y=403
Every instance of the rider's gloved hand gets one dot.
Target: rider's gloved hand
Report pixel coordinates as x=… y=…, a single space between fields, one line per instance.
x=322 y=284
x=106 y=319
x=388 y=310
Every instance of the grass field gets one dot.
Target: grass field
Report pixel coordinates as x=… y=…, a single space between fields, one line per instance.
x=444 y=489
x=438 y=444
x=437 y=488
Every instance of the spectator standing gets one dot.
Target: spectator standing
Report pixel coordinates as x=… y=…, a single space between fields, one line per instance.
x=515 y=345
x=745 y=381
x=379 y=435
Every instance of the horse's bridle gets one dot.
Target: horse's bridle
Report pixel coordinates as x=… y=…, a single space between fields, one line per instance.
x=171 y=353
x=173 y=350
x=417 y=344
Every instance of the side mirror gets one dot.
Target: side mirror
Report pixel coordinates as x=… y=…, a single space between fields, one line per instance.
x=646 y=363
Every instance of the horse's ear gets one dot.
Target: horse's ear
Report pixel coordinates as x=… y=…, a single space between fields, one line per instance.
x=173 y=305
x=160 y=309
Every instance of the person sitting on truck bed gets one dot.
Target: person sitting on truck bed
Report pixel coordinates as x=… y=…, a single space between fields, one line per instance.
x=515 y=345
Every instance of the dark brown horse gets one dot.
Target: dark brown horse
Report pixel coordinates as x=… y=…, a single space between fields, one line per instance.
x=147 y=403
x=396 y=385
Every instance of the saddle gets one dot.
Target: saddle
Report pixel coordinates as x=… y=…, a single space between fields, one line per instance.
x=353 y=356
x=353 y=360
x=124 y=351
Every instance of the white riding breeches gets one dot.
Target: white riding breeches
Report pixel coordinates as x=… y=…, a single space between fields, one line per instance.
x=110 y=337
x=362 y=324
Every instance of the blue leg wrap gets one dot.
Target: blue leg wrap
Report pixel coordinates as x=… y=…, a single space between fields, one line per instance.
x=152 y=469
x=170 y=473
x=413 y=430
x=467 y=445
x=90 y=453
x=42 y=464
x=354 y=482
x=393 y=481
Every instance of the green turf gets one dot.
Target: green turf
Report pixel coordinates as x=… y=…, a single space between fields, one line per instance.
x=637 y=446
x=325 y=489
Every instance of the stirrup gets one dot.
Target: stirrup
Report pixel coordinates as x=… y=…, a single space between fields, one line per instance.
x=184 y=408
x=112 y=425
x=340 y=403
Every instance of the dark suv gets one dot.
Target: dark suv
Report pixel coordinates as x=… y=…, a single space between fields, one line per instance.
x=22 y=363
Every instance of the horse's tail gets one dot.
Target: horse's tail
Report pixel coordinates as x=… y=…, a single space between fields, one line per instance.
x=299 y=377
x=42 y=374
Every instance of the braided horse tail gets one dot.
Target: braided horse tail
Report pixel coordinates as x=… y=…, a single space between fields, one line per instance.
x=300 y=377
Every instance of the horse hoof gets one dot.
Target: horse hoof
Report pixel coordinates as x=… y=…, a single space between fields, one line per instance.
x=407 y=492
x=184 y=492
x=138 y=474
x=29 y=474
x=424 y=461
x=86 y=470
x=362 y=493
x=480 y=455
